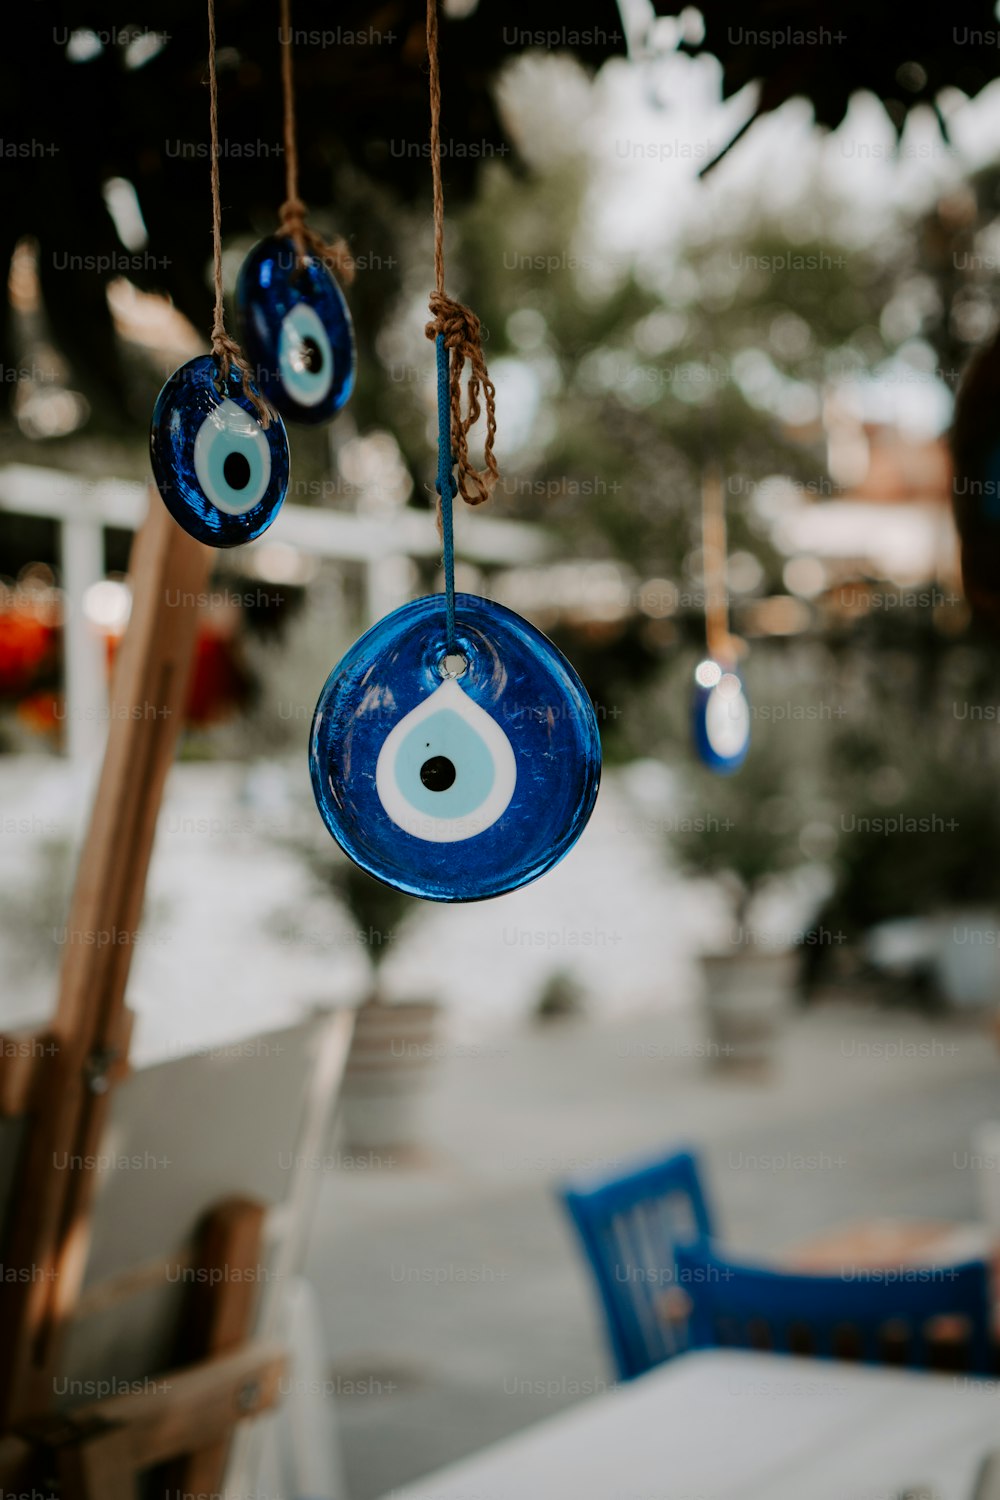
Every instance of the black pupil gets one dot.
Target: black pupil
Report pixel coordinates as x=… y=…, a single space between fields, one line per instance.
x=237 y=471
x=438 y=773
x=311 y=356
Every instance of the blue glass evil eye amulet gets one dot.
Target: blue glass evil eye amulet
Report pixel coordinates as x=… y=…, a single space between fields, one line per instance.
x=222 y=475
x=297 y=331
x=720 y=718
x=455 y=774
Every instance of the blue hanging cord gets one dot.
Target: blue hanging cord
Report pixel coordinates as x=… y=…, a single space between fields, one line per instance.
x=446 y=487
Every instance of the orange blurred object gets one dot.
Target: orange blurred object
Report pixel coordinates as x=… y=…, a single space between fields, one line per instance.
x=27 y=644
x=41 y=712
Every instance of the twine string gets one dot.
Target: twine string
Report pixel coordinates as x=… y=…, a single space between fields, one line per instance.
x=714 y=571
x=434 y=73
x=228 y=354
x=457 y=324
x=292 y=215
x=446 y=488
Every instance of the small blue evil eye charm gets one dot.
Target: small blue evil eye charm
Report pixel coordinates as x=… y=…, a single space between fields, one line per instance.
x=720 y=718
x=455 y=775
x=297 y=331
x=222 y=475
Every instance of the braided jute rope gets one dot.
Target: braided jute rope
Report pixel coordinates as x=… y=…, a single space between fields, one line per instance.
x=457 y=323
x=292 y=214
x=227 y=351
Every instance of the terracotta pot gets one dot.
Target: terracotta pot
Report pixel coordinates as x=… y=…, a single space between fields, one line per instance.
x=388 y=1074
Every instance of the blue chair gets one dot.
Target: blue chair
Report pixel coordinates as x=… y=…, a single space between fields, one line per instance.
x=876 y=1320
x=631 y=1225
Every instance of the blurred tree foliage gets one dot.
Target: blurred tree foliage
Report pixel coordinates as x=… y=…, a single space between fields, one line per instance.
x=827 y=53
x=643 y=383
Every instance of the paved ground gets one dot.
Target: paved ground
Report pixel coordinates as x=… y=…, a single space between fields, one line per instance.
x=457 y=1306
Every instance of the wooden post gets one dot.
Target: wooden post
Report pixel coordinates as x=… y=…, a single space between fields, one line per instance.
x=102 y=1465
x=714 y=570
x=70 y=1091
x=220 y=1318
x=99 y=1450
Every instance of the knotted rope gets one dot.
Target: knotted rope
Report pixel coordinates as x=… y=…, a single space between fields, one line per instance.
x=457 y=324
x=227 y=351
x=292 y=214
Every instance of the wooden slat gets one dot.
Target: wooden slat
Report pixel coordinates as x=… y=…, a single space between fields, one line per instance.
x=220 y=1318
x=70 y=1254
x=22 y=1058
x=16 y=1461
x=49 y=1234
x=102 y=1295
x=231 y=1249
x=185 y=1410
x=99 y=1467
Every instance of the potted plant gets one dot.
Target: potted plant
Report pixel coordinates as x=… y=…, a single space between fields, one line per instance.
x=748 y=832
x=917 y=875
x=393 y=1044
x=394 y=1041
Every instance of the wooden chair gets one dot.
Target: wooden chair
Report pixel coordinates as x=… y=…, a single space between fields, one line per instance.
x=880 y=1318
x=143 y=1314
x=631 y=1225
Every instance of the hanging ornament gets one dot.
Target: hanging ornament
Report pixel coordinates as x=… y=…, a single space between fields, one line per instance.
x=454 y=751
x=296 y=325
x=221 y=471
x=297 y=330
x=219 y=453
x=455 y=769
x=720 y=713
x=720 y=717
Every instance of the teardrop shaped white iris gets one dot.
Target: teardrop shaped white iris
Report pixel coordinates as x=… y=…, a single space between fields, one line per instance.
x=232 y=461
x=727 y=717
x=305 y=358
x=447 y=770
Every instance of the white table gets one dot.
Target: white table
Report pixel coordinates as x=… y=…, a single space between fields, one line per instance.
x=727 y=1425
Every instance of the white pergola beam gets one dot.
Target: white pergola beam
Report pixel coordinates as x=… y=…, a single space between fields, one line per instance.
x=26 y=490
x=82 y=508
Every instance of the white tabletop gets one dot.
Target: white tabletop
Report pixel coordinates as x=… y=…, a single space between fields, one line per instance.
x=727 y=1425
